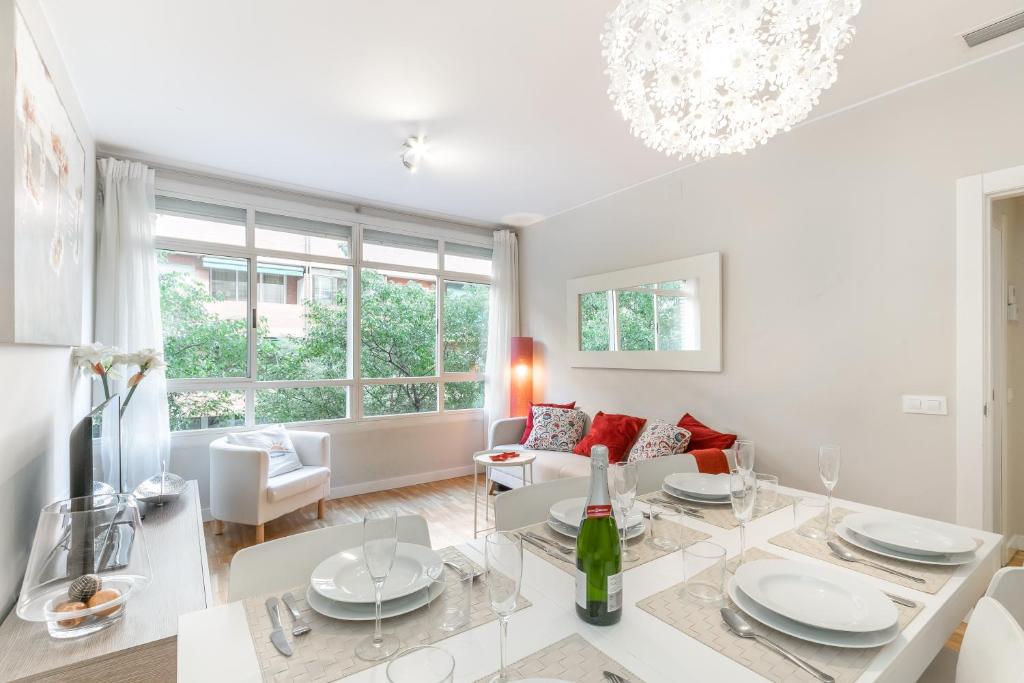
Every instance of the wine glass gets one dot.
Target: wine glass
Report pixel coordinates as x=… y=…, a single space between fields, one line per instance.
x=503 y=564
x=829 y=457
x=380 y=542
x=625 y=477
x=745 y=456
x=742 y=493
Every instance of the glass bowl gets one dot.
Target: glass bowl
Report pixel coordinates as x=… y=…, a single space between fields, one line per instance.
x=88 y=558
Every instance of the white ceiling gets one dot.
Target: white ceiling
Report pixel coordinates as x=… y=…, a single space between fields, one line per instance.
x=321 y=94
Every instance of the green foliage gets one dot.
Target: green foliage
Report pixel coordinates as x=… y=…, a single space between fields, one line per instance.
x=594 y=332
x=398 y=337
x=636 y=321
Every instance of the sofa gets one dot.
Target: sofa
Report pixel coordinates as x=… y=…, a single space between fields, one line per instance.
x=505 y=435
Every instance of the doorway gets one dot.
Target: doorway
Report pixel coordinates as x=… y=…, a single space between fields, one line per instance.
x=990 y=351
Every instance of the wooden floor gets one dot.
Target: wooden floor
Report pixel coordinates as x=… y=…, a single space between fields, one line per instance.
x=447 y=506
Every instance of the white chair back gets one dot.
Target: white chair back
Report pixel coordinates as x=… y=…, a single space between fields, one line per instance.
x=287 y=562
x=529 y=504
x=651 y=473
x=1007 y=586
x=993 y=646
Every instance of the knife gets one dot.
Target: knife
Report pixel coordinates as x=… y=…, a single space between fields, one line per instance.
x=277 y=636
x=546 y=550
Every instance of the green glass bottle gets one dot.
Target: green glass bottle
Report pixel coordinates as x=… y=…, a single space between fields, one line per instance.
x=598 y=553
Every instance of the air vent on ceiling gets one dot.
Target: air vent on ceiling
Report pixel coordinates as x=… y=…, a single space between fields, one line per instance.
x=999 y=28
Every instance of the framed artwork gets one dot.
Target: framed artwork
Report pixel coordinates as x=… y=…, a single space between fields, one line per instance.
x=43 y=287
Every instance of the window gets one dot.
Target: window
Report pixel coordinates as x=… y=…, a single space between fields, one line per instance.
x=260 y=309
x=651 y=317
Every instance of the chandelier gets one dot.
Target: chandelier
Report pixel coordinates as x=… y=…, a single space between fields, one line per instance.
x=704 y=77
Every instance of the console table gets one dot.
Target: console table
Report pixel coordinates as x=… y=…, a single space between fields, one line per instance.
x=141 y=647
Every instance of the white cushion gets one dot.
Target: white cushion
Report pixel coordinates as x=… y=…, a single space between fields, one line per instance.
x=274 y=440
x=295 y=482
x=556 y=429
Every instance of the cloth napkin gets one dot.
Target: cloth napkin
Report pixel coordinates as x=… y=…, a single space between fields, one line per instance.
x=507 y=455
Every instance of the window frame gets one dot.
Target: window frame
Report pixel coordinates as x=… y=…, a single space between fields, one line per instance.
x=249 y=385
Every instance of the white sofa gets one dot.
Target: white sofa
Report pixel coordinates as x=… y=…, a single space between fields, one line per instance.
x=240 y=491
x=548 y=465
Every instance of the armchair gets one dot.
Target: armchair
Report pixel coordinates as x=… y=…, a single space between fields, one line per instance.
x=240 y=491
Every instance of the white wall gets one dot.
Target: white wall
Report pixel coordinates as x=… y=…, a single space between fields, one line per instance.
x=368 y=456
x=42 y=396
x=839 y=283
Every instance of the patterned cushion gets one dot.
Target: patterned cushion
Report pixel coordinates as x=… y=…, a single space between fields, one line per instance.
x=659 y=438
x=555 y=429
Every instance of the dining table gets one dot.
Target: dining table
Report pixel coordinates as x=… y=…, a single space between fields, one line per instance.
x=215 y=644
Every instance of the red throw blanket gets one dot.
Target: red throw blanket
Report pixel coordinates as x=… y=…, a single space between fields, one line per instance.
x=711 y=460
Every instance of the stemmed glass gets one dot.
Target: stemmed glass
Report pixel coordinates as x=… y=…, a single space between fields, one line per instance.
x=829 y=457
x=745 y=456
x=503 y=564
x=742 y=493
x=625 y=477
x=380 y=542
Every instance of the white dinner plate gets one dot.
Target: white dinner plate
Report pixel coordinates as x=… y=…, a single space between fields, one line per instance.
x=816 y=595
x=910 y=534
x=676 y=493
x=570 y=511
x=359 y=611
x=573 y=532
x=343 y=577
x=809 y=633
x=712 y=486
x=950 y=560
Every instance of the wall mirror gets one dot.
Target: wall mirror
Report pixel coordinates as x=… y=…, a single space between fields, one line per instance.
x=666 y=316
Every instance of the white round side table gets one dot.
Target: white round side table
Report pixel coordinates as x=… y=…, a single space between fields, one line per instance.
x=483 y=459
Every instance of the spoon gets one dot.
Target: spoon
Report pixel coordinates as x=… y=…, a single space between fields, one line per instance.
x=844 y=554
x=740 y=627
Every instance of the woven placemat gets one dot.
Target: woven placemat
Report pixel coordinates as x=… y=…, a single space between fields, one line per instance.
x=704 y=623
x=935 y=577
x=645 y=550
x=570 y=659
x=721 y=515
x=327 y=653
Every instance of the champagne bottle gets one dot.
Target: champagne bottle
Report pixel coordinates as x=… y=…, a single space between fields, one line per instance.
x=598 y=554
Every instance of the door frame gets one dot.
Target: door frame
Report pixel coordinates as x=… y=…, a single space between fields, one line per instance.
x=975 y=460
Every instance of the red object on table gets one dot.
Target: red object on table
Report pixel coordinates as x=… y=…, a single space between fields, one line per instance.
x=507 y=455
x=711 y=461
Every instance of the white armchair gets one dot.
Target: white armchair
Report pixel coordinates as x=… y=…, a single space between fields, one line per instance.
x=240 y=491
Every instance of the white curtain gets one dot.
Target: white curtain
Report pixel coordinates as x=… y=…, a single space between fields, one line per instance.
x=128 y=308
x=504 y=324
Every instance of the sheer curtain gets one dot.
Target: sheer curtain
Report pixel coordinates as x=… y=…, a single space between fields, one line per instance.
x=504 y=324
x=128 y=308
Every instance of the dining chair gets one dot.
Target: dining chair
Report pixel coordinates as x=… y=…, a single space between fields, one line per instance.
x=287 y=562
x=651 y=473
x=529 y=504
x=992 y=650
x=1007 y=586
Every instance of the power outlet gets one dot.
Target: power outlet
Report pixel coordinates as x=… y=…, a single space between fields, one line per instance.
x=925 y=405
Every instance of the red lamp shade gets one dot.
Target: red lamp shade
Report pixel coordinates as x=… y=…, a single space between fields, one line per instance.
x=522 y=376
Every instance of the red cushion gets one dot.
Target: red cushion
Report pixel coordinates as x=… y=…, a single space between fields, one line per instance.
x=617 y=432
x=529 y=416
x=702 y=436
x=711 y=461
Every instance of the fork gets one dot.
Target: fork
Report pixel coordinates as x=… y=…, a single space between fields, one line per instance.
x=300 y=628
x=564 y=549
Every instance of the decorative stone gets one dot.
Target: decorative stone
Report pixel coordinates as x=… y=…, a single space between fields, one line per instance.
x=70 y=606
x=84 y=587
x=104 y=596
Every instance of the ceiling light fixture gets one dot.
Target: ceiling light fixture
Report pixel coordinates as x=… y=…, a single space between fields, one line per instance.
x=704 y=77
x=414 y=151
